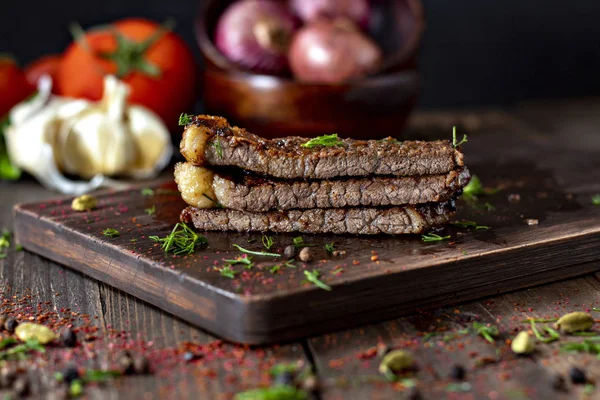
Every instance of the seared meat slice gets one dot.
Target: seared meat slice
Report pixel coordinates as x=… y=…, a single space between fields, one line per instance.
x=363 y=221
x=211 y=141
x=236 y=190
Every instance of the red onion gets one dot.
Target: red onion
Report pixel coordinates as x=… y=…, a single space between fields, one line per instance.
x=311 y=10
x=332 y=52
x=256 y=34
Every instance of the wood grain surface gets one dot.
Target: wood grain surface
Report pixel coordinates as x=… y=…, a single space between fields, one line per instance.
x=335 y=356
x=380 y=277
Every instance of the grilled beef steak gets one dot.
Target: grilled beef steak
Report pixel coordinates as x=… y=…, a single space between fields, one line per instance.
x=211 y=141
x=362 y=221
x=236 y=190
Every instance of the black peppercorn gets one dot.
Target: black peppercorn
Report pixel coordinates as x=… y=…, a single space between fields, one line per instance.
x=577 y=375
x=11 y=324
x=70 y=374
x=126 y=363
x=68 y=338
x=457 y=372
x=141 y=365
x=289 y=251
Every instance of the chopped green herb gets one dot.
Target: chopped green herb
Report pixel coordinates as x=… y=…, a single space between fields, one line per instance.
x=588 y=389
x=330 y=247
x=475 y=188
x=275 y=269
x=464 y=253
x=587 y=346
x=21 y=350
x=241 y=260
x=147 y=192
x=277 y=392
x=76 y=388
x=313 y=277
x=5 y=239
x=133 y=240
x=6 y=342
x=326 y=140
x=8 y=171
x=596 y=200
x=97 y=375
x=216 y=203
x=433 y=237
x=185 y=119
x=455 y=141
x=3 y=255
x=469 y=224
x=218 y=147
x=299 y=242
x=256 y=253
x=553 y=335
x=267 y=241
x=110 y=232
x=181 y=240
x=227 y=271
x=288 y=264
x=151 y=210
x=19 y=247
x=488 y=206
x=488 y=332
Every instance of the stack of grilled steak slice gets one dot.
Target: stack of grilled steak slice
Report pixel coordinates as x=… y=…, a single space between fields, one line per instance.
x=234 y=180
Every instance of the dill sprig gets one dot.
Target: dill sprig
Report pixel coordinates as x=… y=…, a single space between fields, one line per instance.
x=326 y=141
x=275 y=268
x=20 y=351
x=455 y=142
x=433 y=237
x=553 y=335
x=469 y=224
x=488 y=332
x=313 y=277
x=256 y=253
x=267 y=241
x=181 y=240
x=587 y=346
x=185 y=119
x=110 y=232
x=147 y=192
x=330 y=247
x=596 y=200
x=218 y=147
x=299 y=242
x=475 y=188
x=151 y=210
x=247 y=261
x=227 y=271
x=216 y=203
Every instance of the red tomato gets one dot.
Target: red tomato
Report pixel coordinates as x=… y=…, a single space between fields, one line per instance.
x=162 y=75
x=47 y=65
x=14 y=87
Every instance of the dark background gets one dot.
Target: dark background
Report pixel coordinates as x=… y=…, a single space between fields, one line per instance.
x=475 y=52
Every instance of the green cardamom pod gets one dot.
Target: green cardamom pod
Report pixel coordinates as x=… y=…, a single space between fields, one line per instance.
x=522 y=343
x=395 y=361
x=575 y=322
x=30 y=331
x=84 y=203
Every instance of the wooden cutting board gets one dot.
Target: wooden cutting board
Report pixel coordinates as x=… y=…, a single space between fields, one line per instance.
x=378 y=278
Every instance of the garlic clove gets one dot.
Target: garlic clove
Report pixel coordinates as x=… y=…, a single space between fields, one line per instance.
x=153 y=142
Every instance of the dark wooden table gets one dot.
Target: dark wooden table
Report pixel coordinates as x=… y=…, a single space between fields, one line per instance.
x=344 y=361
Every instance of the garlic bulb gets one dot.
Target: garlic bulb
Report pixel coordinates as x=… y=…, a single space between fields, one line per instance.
x=50 y=134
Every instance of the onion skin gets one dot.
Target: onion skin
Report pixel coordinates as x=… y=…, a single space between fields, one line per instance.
x=256 y=35
x=332 y=52
x=357 y=11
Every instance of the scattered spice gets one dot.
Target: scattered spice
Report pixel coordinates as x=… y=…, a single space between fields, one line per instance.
x=110 y=232
x=522 y=343
x=181 y=240
x=575 y=322
x=313 y=277
x=85 y=202
x=306 y=254
x=433 y=237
